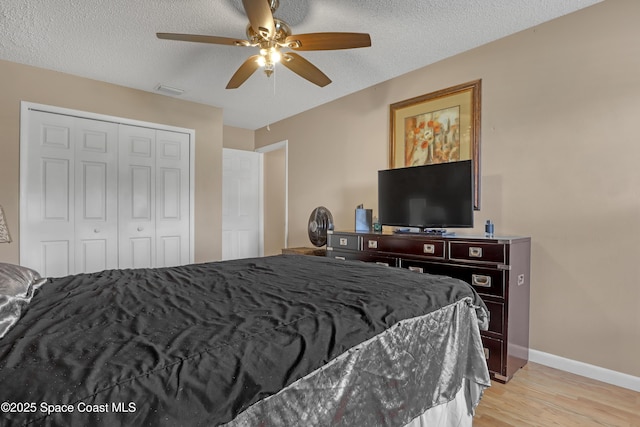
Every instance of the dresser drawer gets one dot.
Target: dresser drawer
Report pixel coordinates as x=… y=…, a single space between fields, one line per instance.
x=496 y=317
x=493 y=354
x=486 y=281
x=480 y=252
x=403 y=245
x=362 y=256
x=379 y=259
x=343 y=241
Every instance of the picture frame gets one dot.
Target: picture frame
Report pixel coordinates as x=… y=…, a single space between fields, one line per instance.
x=437 y=127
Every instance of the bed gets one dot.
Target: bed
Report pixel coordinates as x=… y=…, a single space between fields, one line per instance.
x=275 y=341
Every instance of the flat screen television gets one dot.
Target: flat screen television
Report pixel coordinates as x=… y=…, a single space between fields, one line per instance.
x=435 y=196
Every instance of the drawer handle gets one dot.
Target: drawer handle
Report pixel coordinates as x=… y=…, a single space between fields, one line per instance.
x=475 y=252
x=343 y=241
x=373 y=244
x=481 y=280
x=341 y=258
x=416 y=269
x=486 y=353
x=386 y=264
x=429 y=248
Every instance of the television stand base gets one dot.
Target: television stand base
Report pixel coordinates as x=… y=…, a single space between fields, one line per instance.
x=428 y=231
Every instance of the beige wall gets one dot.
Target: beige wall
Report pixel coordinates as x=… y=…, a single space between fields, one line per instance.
x=274 y=201
x=22 y=83
x=238 y=138
x=560 y=152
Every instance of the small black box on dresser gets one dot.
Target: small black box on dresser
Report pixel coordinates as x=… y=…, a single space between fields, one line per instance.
x=497 y=267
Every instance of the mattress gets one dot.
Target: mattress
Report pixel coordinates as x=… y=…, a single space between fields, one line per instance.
x=283 y=340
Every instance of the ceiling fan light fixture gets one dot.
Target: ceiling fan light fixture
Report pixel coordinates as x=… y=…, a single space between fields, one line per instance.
x=268 y=68
x=271 y=54
x=268 y=58
x=275 y=55
x=271 y=34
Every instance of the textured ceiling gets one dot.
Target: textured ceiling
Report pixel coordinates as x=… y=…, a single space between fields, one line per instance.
x=114 y=41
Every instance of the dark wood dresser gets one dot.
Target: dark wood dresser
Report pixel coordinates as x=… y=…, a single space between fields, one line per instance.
x=497 y=267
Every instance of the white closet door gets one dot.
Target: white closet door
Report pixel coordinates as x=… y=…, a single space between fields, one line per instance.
x=172 y=198
x=154 y=198
x=70 y=190
x=47 y=236
x=137 y=197
x=97 y=194
x=96 y=190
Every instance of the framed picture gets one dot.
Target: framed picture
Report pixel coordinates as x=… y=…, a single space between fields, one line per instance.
x=438 y=127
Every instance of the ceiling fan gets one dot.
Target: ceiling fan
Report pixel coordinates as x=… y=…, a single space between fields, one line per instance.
x=272 y=35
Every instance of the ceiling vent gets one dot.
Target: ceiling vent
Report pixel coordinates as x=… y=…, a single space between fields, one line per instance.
x=168 y=90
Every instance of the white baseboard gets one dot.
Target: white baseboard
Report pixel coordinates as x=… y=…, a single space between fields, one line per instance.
x=584 y=369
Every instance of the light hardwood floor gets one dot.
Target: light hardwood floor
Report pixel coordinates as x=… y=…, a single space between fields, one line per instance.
x=541 y=396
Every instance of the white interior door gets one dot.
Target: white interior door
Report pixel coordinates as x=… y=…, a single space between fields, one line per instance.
x=172 y=198
x=241 y=207
x=137 y=197
x=47 y=228
x=153 y=198
x=96 y=191
x=69 y=185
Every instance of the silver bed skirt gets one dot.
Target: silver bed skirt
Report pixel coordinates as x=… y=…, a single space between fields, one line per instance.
x=389 y=380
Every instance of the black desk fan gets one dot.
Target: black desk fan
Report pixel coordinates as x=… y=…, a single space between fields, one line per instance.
x=320 y=222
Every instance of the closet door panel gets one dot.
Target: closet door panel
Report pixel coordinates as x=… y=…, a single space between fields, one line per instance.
x=96 y=188
x=93 y=255
x=54 y=258
x=136 y=195
x=172 y=198
x=170 y=251
x=56 y=192
x=140 y=186
x=47 y=226
x=141 y=252
x=96 y=194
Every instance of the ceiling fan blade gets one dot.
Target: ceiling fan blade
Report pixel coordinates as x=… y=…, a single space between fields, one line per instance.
x=244 y=72
x=260 y=17
x=305 y=69
x=328 y=41
x=203 y=39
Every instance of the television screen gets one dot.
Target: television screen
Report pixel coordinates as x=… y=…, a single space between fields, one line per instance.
x=429 y=196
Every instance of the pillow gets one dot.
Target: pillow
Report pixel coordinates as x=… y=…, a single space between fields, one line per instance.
x=17 y=285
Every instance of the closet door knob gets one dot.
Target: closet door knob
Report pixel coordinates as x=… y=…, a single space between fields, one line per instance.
x=140 y=228
x=96 y=230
